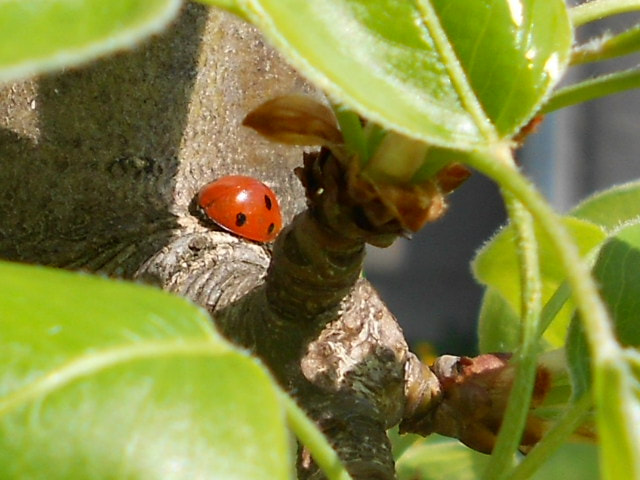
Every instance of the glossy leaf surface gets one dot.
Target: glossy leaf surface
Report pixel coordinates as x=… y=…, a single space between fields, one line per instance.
x=454 y=73
x=42 y=35
x=102 y=379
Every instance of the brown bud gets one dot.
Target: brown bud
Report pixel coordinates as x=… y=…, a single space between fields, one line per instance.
x=474 y=395
x=528 y=129
x=451 y=177
x=295 y=120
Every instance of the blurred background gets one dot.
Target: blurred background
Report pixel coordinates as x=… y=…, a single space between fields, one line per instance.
x=427 y=282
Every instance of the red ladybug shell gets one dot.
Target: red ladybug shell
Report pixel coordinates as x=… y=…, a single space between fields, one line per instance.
x=242 y=205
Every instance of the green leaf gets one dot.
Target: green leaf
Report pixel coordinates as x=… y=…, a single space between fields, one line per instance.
x=450 y=72
x=496 y=265
x=232 y=6
x=617 y=377
x=579 y=459
x=498 y=324
x=440 y=458
x=617 y=271
x=513 y=52
x=38 y=36
x=400 y=443
x=103 y=379
x=578 y=358
x=618 y=413
x=611 y=208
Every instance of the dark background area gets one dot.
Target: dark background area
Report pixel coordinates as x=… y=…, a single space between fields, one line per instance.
x=427 y=282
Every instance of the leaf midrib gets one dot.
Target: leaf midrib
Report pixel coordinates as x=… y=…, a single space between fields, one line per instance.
x=459 y=79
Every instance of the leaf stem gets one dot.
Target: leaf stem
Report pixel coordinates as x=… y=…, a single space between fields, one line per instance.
x=553 y=439
x=604 y=349
x=607 y=47
x=515 y=417
x=592 y=89
x=553 y=306
x=560 y=297
x=309 y=435
x=598 y=9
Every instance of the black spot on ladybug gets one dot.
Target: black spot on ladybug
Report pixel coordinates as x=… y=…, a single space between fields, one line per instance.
x=267 y=202
x=241 y=219
x=271 y=228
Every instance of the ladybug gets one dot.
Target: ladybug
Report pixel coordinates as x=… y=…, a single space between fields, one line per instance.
x=243 y=206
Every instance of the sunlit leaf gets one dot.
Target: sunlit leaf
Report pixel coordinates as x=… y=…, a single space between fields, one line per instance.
x=611 y=208
x=454 y=73
x=103 y=379
x=42 y=35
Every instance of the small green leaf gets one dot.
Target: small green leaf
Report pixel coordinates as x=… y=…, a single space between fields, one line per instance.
x=617 y=271
x=232 y=6
x=453 y=73
x=499 y=325
x=401 y=443
x=578 y=358
x=579 y=459
x=618 y=413
x=103 y=379
x=616 y=379
x=611 y=208
x=38 y=36
x=440 y=458
x=496 y=265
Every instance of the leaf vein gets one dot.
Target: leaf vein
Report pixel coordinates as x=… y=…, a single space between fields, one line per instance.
x=88 y=364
